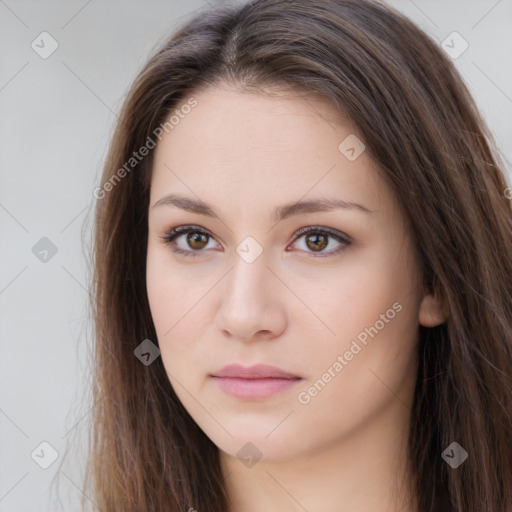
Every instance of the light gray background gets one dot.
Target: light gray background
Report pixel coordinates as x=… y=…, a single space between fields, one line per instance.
x=57 y=116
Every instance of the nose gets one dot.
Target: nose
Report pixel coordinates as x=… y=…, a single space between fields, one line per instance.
x=252 y=303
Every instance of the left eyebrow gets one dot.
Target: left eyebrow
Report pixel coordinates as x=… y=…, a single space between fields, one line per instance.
x=280 y=213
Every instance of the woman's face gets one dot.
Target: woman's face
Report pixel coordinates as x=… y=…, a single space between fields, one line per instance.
x=335 y=307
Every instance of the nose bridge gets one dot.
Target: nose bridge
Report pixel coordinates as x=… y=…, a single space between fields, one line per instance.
x=250 y=273
x=248 y=304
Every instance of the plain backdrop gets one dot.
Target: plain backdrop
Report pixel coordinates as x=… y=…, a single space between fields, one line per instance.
x=57 y=116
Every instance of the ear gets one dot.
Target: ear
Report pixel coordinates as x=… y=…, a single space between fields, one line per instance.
x=433 y=311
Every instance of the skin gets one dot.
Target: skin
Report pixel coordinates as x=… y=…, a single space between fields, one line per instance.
x=245 y=154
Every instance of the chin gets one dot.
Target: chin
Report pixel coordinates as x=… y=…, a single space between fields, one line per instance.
x=257 y=442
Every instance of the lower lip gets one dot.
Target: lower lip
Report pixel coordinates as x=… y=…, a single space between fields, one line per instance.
x=254 y=388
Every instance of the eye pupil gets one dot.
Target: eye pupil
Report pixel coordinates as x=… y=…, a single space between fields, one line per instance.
x=316 y=237
x=193 y=238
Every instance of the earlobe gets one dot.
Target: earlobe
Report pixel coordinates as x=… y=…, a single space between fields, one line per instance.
x=432 y=312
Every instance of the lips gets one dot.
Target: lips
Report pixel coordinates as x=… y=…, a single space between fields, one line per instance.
x=259 y=371
x=254 y=382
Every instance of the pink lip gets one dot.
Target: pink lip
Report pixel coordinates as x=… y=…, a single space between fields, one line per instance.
x=259 y=381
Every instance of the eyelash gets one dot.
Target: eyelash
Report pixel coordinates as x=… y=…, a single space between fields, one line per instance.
x=169 y=237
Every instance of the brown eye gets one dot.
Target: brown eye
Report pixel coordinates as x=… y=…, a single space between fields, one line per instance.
x=197 y=240
x=317 y=242
x=314 y=241
x=188 y=240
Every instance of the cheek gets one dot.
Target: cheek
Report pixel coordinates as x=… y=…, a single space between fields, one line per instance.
x=161 y=298
x=172 y=313
x=369 y=365
x=362 y=289
x=167 y=302
x=372 y=313
x=177 y=302
x=175 y=333
x=373 y=327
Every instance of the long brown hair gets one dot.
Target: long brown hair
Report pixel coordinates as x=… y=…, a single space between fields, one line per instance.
x=431 y=145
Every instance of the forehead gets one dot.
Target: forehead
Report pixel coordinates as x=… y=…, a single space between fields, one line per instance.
x=281 y=115
x=249 y=146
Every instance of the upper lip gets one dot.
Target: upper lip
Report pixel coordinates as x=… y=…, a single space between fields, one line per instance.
x=258 y=371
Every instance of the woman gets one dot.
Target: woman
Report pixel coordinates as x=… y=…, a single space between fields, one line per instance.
x=303 y=274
